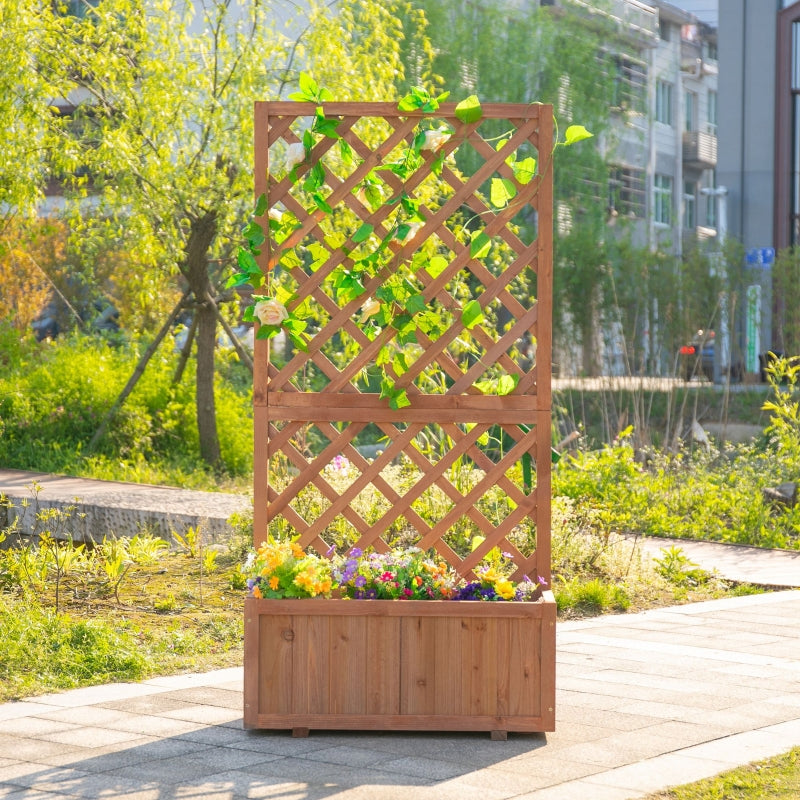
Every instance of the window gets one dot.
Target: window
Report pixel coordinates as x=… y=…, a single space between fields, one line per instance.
x=662 y=199
x=689 y=205
x=626 y=191
x=630 y=84
x=689 y=111
x=664 y=30
x=664 y=102
x=712 y=111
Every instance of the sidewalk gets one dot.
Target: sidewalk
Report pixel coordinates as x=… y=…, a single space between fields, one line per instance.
x=644 y=701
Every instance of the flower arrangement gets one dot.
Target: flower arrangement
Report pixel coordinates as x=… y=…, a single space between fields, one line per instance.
x=281 y=568
x=408 y=574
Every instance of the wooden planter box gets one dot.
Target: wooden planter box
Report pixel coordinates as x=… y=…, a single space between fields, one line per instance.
x=400 y=665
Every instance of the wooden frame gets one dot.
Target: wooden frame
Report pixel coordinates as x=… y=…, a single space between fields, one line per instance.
x=463 y=414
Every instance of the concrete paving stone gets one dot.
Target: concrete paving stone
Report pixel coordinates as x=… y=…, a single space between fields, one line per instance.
x=41 y=751
x=430 y=769
x=207 y=696
x=13 y=793
x=170 y=771
x=654 y=774
x=479 y=784
x=144 y=750
x=17 y=772
x=580 y=698
x=349 y=756
x=92 y=695
x=22 y=708
x=149 y=725
x=579 y=790
x=206 y=715
x=31 y=727
x=577 y=732
x=742 y=748
x=93 y=786
x=191 y=680
x=95 y=716
x=605 y=720
x=242 y=784
x=315 y=773
x=688 y=733
x=91 y=738
x=155 y=704
x=512 y=782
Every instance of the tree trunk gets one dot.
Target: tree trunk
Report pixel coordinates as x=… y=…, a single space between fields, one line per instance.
x=201 y=236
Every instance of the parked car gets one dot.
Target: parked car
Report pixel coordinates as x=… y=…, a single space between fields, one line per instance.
x=697 y=359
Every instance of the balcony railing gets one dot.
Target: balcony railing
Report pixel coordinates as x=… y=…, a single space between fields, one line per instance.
x=631 y=16
x=699 y=150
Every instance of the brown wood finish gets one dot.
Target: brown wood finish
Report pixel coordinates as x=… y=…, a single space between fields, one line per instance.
x=408 y=665
x=438 y=665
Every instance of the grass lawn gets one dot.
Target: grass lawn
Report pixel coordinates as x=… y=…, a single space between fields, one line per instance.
x=773 y=779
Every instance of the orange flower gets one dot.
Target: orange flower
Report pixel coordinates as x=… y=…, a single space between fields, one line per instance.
x=274 y=583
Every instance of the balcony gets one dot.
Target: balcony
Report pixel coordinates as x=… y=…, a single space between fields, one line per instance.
x=699 y=150
x=632 y=18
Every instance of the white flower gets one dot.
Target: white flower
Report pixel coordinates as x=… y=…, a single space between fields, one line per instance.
x=276 y=214
x=270 y=312
x=371 y=306
x=435 y=139
x=295 y=154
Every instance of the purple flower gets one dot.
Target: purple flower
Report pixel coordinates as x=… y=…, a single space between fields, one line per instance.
x=360 y=581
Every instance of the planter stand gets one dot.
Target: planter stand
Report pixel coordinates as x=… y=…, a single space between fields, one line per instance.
x=408 y=665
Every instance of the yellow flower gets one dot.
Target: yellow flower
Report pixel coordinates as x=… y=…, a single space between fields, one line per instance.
x=274 y=583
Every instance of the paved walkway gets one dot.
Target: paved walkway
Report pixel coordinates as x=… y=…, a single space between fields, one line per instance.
x=644 y=701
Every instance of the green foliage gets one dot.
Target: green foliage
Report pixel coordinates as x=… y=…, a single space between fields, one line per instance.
x=44 y=651
x=678 y=568
x=590 y=597
x=53 y=397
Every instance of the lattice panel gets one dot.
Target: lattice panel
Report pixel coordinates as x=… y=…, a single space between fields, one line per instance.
x=471 y=449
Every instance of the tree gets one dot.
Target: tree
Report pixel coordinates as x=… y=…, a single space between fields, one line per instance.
x=507 y=52
x=157 y=131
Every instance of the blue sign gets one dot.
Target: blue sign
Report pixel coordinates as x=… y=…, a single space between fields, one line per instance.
x=760 y=256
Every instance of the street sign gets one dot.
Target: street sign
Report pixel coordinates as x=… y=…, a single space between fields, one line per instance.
x=760 y=256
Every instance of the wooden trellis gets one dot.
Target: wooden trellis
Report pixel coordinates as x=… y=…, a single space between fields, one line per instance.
x=460 y=412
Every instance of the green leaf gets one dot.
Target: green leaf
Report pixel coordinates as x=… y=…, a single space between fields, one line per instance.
x=436 y=266
x=415 y=304
x=472 y=314
x=480 y=245
x=363 y=233
x=321 y=203
x=576 y=133
x=345 y=151
x=506 y=384
x=525 y=170
x=315 y=178
x=261 y=205
x=245 y=260
x=254 y=234
x=501 y=192
x=469 y=110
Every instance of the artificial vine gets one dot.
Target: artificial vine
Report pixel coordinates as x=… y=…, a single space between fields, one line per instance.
x=399 y=302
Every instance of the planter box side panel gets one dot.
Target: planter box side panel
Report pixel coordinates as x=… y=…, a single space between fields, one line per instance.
x=443 y=670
